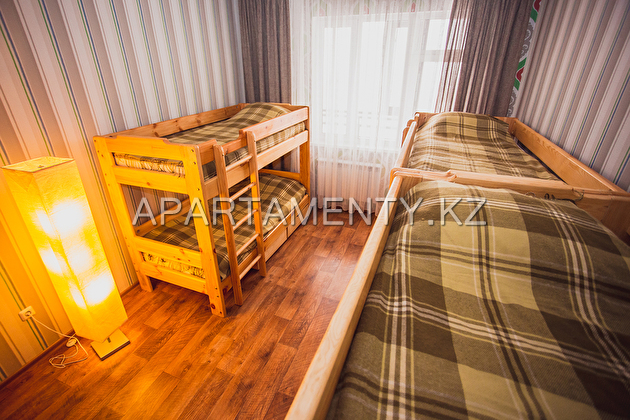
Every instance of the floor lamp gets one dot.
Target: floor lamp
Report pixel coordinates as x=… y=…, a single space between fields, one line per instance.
x=53 y=204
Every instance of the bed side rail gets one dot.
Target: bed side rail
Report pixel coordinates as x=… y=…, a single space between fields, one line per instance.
x=567 y=167
x=175 y=125
x=316 y=391
x=149 y=147
x=264 y=129
x=609 y=207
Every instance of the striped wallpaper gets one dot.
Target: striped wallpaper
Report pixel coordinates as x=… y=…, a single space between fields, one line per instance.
x=70 y=69
x=575 y=83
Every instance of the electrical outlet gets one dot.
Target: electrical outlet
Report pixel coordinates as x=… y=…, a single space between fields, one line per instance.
x=26 y=313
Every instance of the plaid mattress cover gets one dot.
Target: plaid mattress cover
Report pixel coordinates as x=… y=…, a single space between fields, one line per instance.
x=224 y=132
x=524 y=317
x=473 y=143
x=176 y=232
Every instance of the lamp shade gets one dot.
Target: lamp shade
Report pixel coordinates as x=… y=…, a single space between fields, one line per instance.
x=53 y=204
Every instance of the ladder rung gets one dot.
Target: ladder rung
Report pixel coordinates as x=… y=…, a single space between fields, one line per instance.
x=242 y=191
x=239 y=163
x=249 y=267
x=244 y=218
x=246 y=244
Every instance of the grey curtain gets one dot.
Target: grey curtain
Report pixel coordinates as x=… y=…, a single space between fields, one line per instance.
x=483 y=47
x=266 y=46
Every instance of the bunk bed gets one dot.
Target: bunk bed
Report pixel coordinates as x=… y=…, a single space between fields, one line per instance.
x=523 y=316
x=215 y=167
x=503 y=152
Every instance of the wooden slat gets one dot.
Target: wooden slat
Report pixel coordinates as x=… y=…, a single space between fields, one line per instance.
x=275 y=125
x=234 y=145
x=168 y=251
x=571 y=170
x=247 y=261
x=238 y=163
x=315 y=393
x=266 y=157
x=210 y=187
x=249 y=267
x=165 y=128
x=149 y=179
x=244 y=219
x=246 y=244
x=242 y=191
x=236 y=175
x=284 y=174
x=144 y=146
x=538 y=187
x=175 y=277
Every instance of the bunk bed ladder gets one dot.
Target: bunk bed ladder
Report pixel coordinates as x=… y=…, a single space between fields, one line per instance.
x=233 y=253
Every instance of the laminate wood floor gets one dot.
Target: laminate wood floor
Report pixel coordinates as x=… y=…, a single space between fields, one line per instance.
x=183 y=362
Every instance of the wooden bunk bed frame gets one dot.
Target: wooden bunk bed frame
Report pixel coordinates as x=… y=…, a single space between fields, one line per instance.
x=149 y=141
x=590 y=191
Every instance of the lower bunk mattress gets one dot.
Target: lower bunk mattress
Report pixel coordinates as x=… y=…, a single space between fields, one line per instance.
x=277 y=195
x=473 y=143
x=526 y=316
x=224 y=132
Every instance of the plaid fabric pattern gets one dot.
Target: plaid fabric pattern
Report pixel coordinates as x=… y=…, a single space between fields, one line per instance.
x=526 y=317
x=474 y=143
x=276 y=194
x=224 y=132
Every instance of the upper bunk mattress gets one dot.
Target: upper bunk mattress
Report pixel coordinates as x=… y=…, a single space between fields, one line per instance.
x=524 y=317
x=473 y=143
x=224 y=132
x=176 y=232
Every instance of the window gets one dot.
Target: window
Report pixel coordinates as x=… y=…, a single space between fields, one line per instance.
x=371 y=72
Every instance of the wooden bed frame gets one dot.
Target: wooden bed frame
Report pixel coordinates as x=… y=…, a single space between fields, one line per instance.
x=589 y=190
x=592 y=192
x=316 y=391
x=318 y=386
x=148 y=141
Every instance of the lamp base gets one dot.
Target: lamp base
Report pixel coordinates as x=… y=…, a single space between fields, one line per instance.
x=111 y=345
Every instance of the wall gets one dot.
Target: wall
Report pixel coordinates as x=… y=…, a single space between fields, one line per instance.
x=575 y=88
x=70 y=69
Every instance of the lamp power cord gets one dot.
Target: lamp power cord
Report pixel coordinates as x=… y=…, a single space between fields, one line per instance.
x=62 y=360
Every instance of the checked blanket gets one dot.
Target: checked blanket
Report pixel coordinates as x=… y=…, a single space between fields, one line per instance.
x=224 y=132
x=273 y=189
x=473 y=143
x=525 y=317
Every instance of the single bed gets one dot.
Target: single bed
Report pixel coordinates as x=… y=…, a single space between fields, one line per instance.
x=525 y=316
x=500 y=152
x=219 y=154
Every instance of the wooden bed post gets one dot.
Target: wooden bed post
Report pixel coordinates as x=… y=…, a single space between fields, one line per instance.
x=194 y=177
x=305 y=157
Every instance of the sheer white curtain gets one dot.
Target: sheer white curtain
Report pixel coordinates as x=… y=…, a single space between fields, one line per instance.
x=364 y=68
